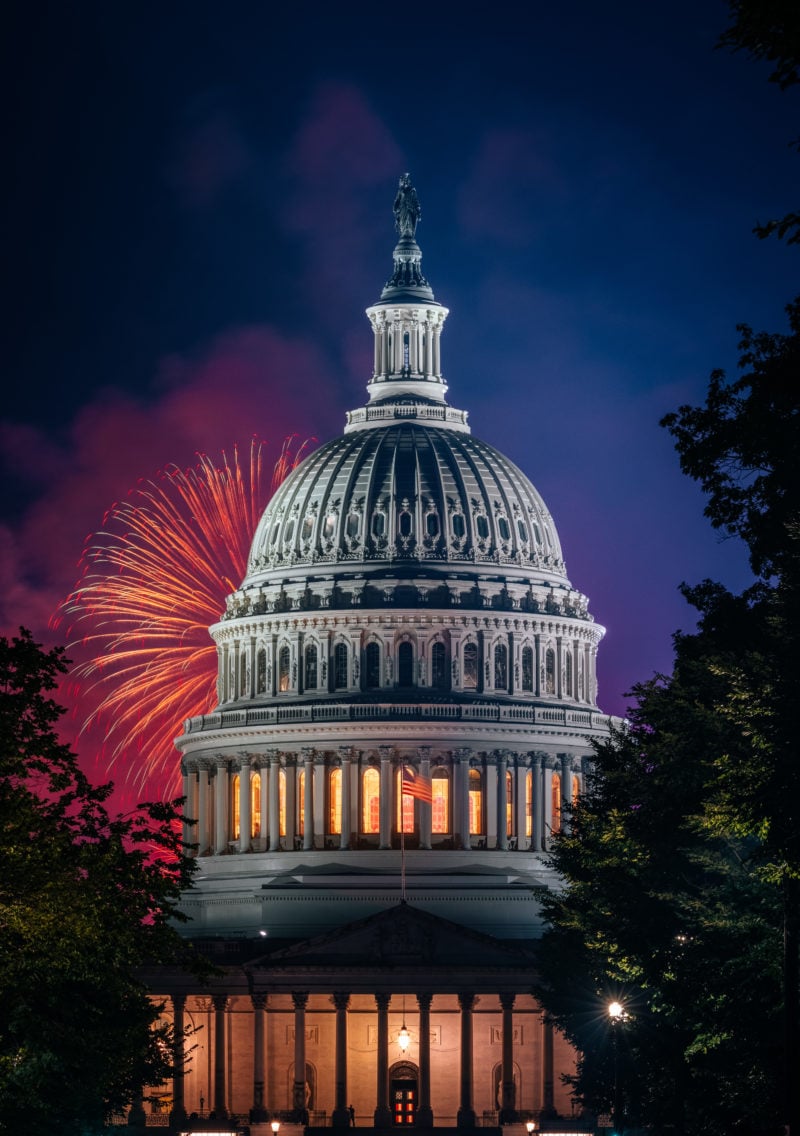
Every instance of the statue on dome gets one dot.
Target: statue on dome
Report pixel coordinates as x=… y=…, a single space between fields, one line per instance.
x=406 y=208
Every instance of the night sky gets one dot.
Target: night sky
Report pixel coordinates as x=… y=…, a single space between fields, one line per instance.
x=197 y=210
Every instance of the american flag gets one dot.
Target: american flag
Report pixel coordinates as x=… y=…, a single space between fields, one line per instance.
x=417 y=786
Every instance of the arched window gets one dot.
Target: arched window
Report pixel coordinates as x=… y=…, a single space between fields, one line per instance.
x=283 y=670
x=235 y=820
x=372 y=666
x=405 y=665
x=555 y=801
x=509 y=803
x=340 y=667
x=335 y=801
x=404 y=819
x=439 y=666
x=282 y=802
x=440 y=807
x=576 y=787
x=432 y=525
x=261 y=671
x=475 y=802
x=310 y=669
x=300 y=821
x=405 y=524
x=371 y=800
x=471 y=666
x=255 y=804
x=459 y=525
x=529 y=803
x=568 y=674
x=501 y=667
x=243 y=684
x=550 y=671
x=527 y=669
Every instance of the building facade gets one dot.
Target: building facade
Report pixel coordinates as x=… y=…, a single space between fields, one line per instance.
x=407 y=696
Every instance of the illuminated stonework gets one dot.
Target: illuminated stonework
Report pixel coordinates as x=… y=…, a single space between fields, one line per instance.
x=406 y=607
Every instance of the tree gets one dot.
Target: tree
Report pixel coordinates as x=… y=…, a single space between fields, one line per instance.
x=682 y=858
x=86 y=898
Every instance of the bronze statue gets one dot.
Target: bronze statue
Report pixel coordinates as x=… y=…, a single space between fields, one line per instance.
x=406 y=208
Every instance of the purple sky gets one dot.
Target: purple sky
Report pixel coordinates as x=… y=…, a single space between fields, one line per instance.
x=197 y=211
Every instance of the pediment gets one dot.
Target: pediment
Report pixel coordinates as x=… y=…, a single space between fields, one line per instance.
x=401 y=937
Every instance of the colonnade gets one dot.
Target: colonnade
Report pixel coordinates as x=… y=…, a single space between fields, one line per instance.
x=272 y=799
x=265 y=1100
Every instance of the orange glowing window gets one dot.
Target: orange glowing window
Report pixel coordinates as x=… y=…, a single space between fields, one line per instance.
x=335 y=801
x=475 y=802
x=556 y=803
x=440 y=808
x=301 y=796
x=404 y=822
x=529 y=803
x=371 y=800
x=509 y=803
x=235 y=822
x=255 y=804
x=282 y=802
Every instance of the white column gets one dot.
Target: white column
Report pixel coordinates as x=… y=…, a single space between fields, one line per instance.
x=274 y=800
x=202 y=808
x=344 y=754
x=308 y=799
x=220 y=806
x=424 y=807
x=245 y=820
x=500 y=766
x=461 y=792
x=291 y=799
x=386 y=797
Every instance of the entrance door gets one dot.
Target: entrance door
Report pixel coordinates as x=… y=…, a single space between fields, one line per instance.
x=404 y=1102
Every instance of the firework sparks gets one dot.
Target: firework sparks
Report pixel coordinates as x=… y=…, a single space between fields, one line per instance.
x=153 y=580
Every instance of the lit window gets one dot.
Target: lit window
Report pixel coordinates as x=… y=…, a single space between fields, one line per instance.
x=335 y=801
x=282 y=802
x=283 y=669
x=405 y=818
x=475 y=802
x=529 y=803
x=576 y=788
x=235 y=821
x=509 y=803
x=555 y=801
x=440 y=807
x=255 y=804
x=371 y=800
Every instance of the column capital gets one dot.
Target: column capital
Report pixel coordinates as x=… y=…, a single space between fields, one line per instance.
x=308 y=753
x=382 y=1001
x=466 y=1001
x=385 y=752
x=463 y=754
x=299 y=999
x=507 y=1001
x=424 y=1001
x=178 y=1001
x=345 y=753
x=259 y=1001
x=340 y=1000
x=243 y=761
x=219 y=1001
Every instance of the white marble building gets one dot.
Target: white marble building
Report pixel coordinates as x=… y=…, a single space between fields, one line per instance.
x=406 y=616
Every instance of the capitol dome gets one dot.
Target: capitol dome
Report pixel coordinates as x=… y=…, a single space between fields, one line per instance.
x=406 y=705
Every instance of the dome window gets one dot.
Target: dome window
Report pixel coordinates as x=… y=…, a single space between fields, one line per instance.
x=329 y=528
x=372 y=666
x=261 y=672
x=405 y=665
x=568 y=675
x=459 y=528
x=501 y=667
x=471 y=666
x=432 y=525
x=537 y=533
x=275 y=530
x=405 y=524
x=527 y=669
x=482 y=525
x=353 y=526
x=340 y=667
x=523 y=532
x=550 y=671
x=379 y=525
x=310 y=675
x=505 y=531
x=439 y=666
x=308 y=528
x=288 y=532
x=283 y=670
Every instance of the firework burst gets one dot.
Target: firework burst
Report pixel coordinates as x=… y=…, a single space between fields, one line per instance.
x=153 y=580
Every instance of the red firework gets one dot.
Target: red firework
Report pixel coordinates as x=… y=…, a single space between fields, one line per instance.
x=153 y=580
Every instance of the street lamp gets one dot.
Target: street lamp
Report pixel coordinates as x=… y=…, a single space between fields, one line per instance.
x=616 y=1014
x=275 y=1126
x=531 y=1126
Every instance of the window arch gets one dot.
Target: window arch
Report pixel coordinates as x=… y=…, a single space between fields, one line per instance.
x=501 y=667
x=243 y=683
x=282 y=802
x=439 y=666
x=404 y=819
x=550 y=671
x=555 y=801
x=529 y=803
x=440 y=805
x=261 y=671
x=283 y=669
x=405 y=665
x=527 y=669
x=470 y=666
x=235 y=818
x=340 y=667
x=568 y=674
x=372 y=666
x=576 y=786
x=370 y=800
x=310 y=670
x=475 y=802
x=335 y=801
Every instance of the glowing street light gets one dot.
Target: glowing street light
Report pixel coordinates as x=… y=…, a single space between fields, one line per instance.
x=275 y=1126
x=616 y=1014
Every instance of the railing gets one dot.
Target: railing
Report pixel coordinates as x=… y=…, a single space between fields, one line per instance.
x=583 y=720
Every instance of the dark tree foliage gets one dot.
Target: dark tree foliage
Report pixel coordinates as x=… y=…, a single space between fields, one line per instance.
x=681 y=862
x=86 y=898
x=770 y=30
